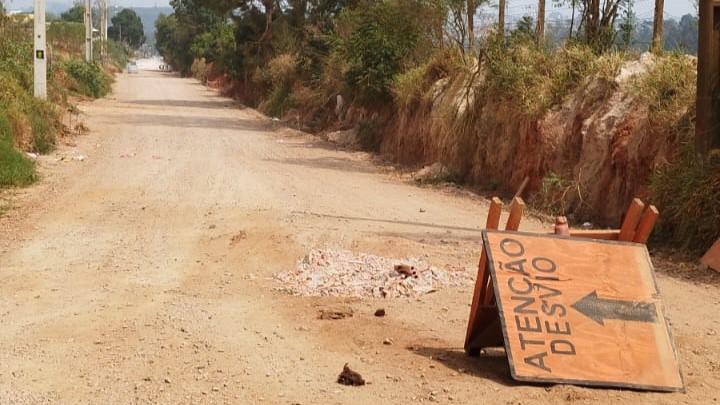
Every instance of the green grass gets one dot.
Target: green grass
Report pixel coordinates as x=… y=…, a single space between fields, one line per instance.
x=16 y=170
x=687 y=192
x=88 y=78
x=531 y=79
x=668 y=89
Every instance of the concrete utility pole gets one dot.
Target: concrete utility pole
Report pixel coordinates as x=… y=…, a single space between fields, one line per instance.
x=40 y=48
x=657 y=40
x=707 y=124
x=501 y=19
x=88 y=31
x=540 y=32
x=103 y=9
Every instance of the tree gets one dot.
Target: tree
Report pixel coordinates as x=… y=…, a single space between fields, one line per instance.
x=657 y=43
x=127 y=27
x=75 y=14
x=598 y=21
x=540 y=30
x=627 y=28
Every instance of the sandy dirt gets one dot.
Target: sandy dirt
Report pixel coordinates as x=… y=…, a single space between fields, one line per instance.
x=143 y=274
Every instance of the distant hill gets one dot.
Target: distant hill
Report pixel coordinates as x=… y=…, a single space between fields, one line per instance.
x=148 y=15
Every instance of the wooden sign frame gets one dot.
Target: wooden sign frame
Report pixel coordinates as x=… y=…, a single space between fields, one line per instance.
x=638 y=323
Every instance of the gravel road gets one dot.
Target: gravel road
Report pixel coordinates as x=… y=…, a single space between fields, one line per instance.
x=143 y=274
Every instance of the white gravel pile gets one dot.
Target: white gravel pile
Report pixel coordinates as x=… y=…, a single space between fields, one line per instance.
x=343 y=273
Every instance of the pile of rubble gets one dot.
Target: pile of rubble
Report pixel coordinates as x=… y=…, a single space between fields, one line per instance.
x=342 y=273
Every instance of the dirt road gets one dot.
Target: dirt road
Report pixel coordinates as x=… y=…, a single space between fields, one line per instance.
x=143 y=274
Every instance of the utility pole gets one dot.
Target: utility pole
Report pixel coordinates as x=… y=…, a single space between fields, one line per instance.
x=657 y=40
x=501 y=19
x=471 y=24
x=707 y=124
x=103 y=10
x=40 y=58
x=88 y=31
x=540 y=31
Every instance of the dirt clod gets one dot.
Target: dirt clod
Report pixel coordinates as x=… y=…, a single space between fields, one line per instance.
x=238 y=237
x=335 y=313
x=350 y=377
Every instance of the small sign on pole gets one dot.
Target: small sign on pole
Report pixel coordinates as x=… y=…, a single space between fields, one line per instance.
x=40 y=61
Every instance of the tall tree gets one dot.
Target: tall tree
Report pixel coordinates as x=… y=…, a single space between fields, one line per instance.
x=127 y=27
x=76 y=13
x=598 y=22
x=657 y=42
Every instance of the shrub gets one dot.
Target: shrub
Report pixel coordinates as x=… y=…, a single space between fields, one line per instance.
x=413 y=85
x=45 y=123
x=668 y=89
x=379 y=40
x=369 y=134
x=199 y=69
x=15 y=169
x=533 y=79
x=90 y=80
x=687 y=192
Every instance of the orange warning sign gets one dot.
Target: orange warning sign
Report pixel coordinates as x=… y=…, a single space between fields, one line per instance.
x=581 y=311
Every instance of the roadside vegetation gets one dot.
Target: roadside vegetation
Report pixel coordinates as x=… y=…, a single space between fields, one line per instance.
x=339 y=64
x=31 y=125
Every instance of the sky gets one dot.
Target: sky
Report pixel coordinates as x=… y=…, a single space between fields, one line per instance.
x=643 y=8
x=517 y=8
x=28 y=4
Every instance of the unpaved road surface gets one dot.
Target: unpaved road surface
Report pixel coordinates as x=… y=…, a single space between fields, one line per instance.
x=143 y=274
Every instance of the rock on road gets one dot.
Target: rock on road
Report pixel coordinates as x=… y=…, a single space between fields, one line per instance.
x=143 y=274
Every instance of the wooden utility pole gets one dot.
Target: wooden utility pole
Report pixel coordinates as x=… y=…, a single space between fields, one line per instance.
x=657 y=40
x=707 y=124
x=40 y=50
x=540 y=31
x=501 y=19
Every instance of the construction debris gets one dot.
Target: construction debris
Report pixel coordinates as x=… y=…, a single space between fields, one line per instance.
x=341 y=273
x=349 y=377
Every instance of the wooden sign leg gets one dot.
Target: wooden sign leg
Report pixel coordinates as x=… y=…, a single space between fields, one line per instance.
x=632 y=217
x=483 y=275
x=647 y=223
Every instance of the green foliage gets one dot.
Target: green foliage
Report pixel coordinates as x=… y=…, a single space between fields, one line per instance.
x=128 y=28
x=45 y=123
x=16 y=62
x=15 y=169
x=382 y=42
x=118 y=53
x=217 y=46
x=412 y=86
x=89 y=79
x=531 y=80
x=687 y=192
x=76 y=14
x=176 y=34
x=67 y=36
